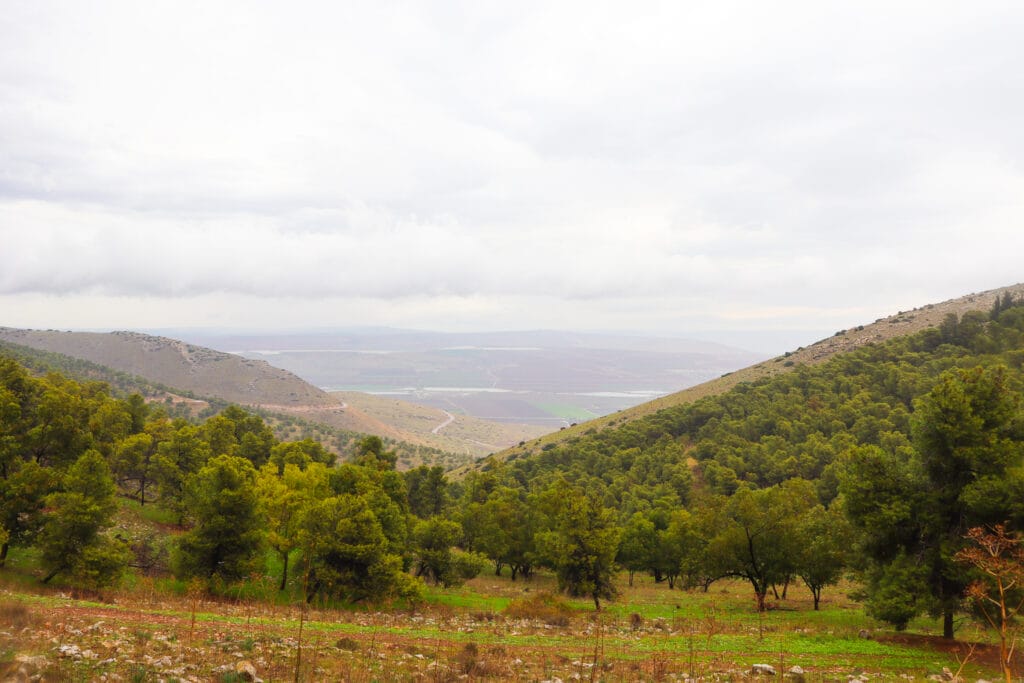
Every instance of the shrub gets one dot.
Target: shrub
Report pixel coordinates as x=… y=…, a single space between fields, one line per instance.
x=545 y=607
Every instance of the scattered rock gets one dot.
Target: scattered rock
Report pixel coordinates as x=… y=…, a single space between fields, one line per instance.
x=796 y=674
x=246 y=671
x=71 y=651
x=864 y=633
x=762 y=670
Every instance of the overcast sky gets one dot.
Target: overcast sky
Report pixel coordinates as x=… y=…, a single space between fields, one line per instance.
x=654 y=167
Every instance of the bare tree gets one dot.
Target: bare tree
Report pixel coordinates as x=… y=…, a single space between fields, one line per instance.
x=999 y=556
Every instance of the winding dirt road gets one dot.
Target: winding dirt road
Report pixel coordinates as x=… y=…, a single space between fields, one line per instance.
x=438 y=428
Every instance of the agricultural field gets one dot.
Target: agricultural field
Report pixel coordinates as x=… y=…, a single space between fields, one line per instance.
x=489 y=629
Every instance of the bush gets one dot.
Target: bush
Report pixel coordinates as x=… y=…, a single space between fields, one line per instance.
x=545 y=607
x=467 y=565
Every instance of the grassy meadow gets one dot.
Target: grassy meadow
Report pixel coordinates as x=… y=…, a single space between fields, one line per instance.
x=158 y=629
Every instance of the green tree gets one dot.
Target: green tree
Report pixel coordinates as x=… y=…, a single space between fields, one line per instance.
x=437 y=558
x=638 y=544
x=23 y=494
x=57 y=432
x=757 y=541
x=227 y=537
x=182 y=454
x=253 y=437
x=348 y=553
x=428 y=491
x=824 y=538
x=913 y=516
x=582 y=544
x=504 y=527
x=300 y=453
x=132 y=460
x=283 y=497
x=72 y=539
x=676 y=543
x=370 y=453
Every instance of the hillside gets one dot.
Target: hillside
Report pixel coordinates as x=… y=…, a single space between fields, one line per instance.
x=901 y=324
x=177 y=364
x=199 y=374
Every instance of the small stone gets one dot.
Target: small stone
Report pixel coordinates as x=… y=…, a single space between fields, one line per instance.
x=762 y=670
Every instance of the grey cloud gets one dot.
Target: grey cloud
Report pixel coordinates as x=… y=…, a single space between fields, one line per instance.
x=734 y=155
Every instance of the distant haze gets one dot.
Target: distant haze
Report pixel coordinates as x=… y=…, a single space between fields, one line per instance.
x=545 y=377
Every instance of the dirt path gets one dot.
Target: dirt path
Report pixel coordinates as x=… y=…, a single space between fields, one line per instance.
x=438 y=428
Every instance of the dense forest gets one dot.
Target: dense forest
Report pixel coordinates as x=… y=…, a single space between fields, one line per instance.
x=879 y=463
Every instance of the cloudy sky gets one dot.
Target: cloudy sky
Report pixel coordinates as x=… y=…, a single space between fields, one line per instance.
x=654 y=167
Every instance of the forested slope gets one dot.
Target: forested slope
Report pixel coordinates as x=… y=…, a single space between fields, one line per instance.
x=793 y=424
x=901 y=324
x=894 y=448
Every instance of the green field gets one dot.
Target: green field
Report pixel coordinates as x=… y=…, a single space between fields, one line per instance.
x=566 y=411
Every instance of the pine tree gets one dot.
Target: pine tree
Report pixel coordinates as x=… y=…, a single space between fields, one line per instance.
x=72 y=541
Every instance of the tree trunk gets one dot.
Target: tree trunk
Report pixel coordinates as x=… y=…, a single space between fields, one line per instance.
x=630 y=578
x=947 y=623
x=52 y=574
x=284 y=572
x=597 y=603
x=785 y=587
x=760 y=591
x=3 y=553
x=515 y=570
x=817 y=597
